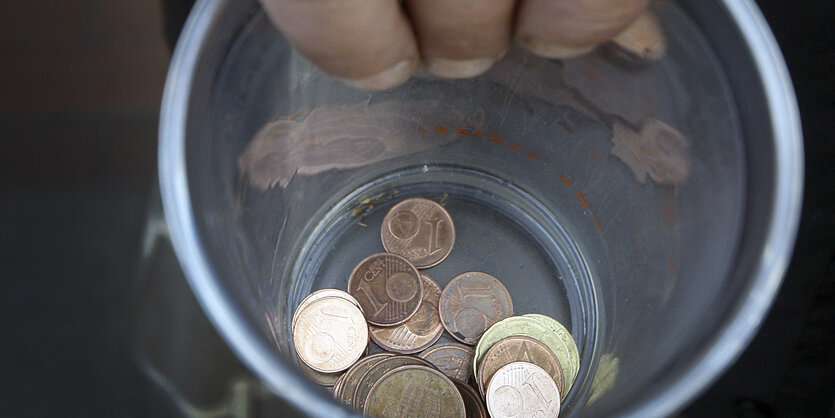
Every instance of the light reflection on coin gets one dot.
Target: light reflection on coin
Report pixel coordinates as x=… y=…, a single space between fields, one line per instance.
x=522 y=390
x=471 y=302
x=573 y=367
x=367 y=380
x=320 y=294
x=387 y=287
x=330 y=335
x=420 y=230
x=420 y=331
x=324 y=379
x=453 y=360
x=414 y=391
x=530 y=327
x=518 y=348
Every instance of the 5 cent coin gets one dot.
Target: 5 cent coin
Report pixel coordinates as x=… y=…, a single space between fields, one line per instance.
x=420 y=230
x=420 y=331
x=330 y=334
x=387 y=287
x=471 y=302
x=319 y=294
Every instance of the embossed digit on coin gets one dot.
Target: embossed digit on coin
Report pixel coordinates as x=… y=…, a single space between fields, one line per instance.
x=519 y=348
x=414 y=391
x=453 y=360
x=420 y=230
x=471 y=302
x=330 y=334
x=319 y=294
x=387 y=287
x=522 y=390
x=420 y=331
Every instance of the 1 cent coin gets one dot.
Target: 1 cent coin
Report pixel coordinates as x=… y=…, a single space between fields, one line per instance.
x=515 y=349
x=420 y=331
x=414 y=391
x=453 y=360
x=472 y=400
x=387 y=287
x=330 y=335
x=319 y=294
x=522 y=390
x=471 y=302
x=420 y=230
x=367 y=381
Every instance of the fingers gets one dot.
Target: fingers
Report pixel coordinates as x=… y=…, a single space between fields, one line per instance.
x=566 y=28
x=643 y=39
x=367 y=47
x=461 y=38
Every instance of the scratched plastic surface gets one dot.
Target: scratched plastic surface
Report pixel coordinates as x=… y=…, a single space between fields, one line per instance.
x=608 y=196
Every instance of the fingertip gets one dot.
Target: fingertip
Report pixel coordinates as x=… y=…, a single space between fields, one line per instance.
x=386 y=79
x=549 y=49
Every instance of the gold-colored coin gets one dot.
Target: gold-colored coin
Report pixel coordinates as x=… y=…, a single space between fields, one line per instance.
x=420 y=230
x=522 y=389
x=319 y=294
x=472 y=400
x=324 y=379
x=353 y=375
x=387 y=287
x=452 y=359
x=330 y=335
x=367 y=381
x=529 y=327
x=420 y=331
x=519 y=348
x=337 y=386
x=414 y=391
x=471 y=302
x=573 y=367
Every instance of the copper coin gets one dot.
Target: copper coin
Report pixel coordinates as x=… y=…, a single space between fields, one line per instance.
x=472 y=400
x=414 y=391
x=471 y=302
x=453 y=360
x=324 y=379
x=387 y=287
x=377 y=371
x=330 y=334
x=338 y=385
x=420 y=230
x=352 y=377
x=420 y=331
x=522 y=390
x=519 y=348
x=319 y=294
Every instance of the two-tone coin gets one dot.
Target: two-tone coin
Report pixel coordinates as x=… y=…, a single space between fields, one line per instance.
x=330 y=334
x=453 y=360
x=352 y=377
x=414 y=391
x=472 y=400
x=573 y=367
x=369 y=378
x=420 y=230
x=387 y=287
x=421 y=330
x=522 y=389
x=530 y=327
x=319 y=294
x=471 y=302
x=518 y=348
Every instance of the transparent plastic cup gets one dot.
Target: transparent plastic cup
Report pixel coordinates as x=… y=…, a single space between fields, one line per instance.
x=651 y=208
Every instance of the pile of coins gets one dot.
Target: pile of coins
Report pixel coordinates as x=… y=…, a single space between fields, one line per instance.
x=520 y=366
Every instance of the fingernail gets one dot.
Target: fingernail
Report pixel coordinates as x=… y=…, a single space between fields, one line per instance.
x=551 y=50
x=386 y=79
x=458 y=68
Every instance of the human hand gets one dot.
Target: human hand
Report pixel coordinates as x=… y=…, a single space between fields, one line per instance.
x=377 y=44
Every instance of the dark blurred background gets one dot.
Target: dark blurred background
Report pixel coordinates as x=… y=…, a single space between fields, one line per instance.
x=80 y=89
